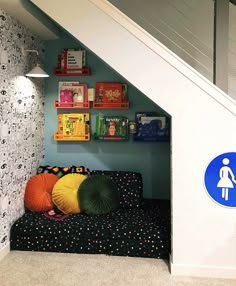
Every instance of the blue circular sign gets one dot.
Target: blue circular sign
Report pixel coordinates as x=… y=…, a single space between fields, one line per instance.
x=220 y=179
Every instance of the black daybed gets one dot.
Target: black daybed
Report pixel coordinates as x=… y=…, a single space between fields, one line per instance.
x=139 y=228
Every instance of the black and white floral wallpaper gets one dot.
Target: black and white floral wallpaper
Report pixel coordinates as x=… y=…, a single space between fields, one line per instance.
x=21 y=119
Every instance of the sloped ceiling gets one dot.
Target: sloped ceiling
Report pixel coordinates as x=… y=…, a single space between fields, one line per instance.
x=26 y=13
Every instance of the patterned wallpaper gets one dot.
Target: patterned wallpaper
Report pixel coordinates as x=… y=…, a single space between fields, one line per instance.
x=21 y=119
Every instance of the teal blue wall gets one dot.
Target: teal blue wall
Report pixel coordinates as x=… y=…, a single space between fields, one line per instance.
x=150 y=159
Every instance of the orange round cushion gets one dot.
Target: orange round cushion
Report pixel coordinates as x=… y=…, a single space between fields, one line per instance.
x=38 y=192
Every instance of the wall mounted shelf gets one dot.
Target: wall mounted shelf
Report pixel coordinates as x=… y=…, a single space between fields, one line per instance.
x=109 y=138
x=110 y=105
x=86 y=105
x=72 y=72
x=61 y=137
x=71 y=105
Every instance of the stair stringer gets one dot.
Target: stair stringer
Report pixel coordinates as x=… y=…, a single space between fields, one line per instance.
x=203 y=126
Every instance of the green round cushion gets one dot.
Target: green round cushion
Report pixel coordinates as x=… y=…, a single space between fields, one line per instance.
x=98 y=194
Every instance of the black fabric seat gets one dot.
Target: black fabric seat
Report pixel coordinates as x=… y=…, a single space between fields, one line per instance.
x=139 y=228
x=143 y=232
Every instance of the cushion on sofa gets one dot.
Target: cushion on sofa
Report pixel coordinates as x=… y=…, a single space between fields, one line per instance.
x=56 y=170
x=98 y=194
x=38 y=192
x=79 y=170
x=64 y=193
x=129 y=185
x=62 y=171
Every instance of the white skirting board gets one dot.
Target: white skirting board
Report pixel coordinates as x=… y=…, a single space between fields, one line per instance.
x=203 y=271
x=4 y=251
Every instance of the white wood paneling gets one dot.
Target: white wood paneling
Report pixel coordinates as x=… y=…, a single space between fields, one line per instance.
x=176 y=24
x=186 y=28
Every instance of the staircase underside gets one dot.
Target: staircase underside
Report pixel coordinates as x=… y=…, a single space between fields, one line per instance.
x=203 y=124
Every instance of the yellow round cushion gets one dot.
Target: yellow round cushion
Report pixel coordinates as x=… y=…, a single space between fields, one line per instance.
x=65 y=193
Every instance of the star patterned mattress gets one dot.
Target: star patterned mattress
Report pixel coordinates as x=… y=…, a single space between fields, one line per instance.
x=135 y=232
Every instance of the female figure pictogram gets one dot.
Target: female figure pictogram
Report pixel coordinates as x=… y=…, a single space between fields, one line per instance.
x=225 y=181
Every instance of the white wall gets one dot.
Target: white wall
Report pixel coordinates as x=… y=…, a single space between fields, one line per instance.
x=203 y=124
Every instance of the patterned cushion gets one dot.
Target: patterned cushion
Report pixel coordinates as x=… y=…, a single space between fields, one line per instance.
x=38 y=192
x=64 y=193
x=129 y=185
x=62 y=171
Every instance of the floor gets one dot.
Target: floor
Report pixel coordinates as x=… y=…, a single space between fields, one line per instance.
x=46 y=269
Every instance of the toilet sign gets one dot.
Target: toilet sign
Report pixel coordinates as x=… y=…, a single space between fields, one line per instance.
x=220 y=179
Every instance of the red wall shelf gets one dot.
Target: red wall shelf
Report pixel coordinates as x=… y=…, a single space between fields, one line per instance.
x=74 y=105
x=72 y=72
x=86 y=105
x=110 y=105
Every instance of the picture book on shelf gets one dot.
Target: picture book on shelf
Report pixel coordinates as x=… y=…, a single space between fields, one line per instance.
x=72 y=93
x=111 y=128
x=73 y=124
x=108 y=92
x=151 y=127
x=72 y=59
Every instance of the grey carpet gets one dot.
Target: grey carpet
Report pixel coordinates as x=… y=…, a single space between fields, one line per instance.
x=57 y=269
